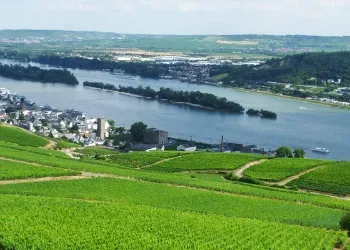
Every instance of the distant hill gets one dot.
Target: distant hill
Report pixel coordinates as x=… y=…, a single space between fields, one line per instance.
x=306 y=68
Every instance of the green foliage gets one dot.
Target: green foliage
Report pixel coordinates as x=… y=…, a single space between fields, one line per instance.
x=279 y=169
x=62 y=144
x=96 y=151
x=205 y=161
x=299 y=153
x=14 y=170
x=35 y=150
x=21 y=137
x=284 y=152
x=141 y=159
x=344 y=223
x=37 y=74
x=137 y=131
x=333 y=178
x=164 y=196
x=75 y=224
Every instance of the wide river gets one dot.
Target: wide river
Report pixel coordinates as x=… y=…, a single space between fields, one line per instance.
x=299 y=124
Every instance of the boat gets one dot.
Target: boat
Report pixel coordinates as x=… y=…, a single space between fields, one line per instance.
x=321 y=150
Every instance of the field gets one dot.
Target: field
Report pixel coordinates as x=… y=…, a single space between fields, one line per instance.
x=165 y=200
x=33 y=149
x=201 y=201
x=205 y=161
x=75 y=224
x=141 y=159
x=95 y=151
x=61 y=144
x=279 y=169
x=334 y=178
x=14 y=170
x=21 y=137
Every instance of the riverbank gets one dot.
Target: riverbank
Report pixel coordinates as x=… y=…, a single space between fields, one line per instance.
x=291 y=98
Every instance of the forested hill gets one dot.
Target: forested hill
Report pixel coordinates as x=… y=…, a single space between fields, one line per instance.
x=306 y=68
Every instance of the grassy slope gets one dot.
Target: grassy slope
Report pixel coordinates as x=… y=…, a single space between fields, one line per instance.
x=13 y=170
x=75 y=224
x=180 y=179
x=205 y=161
x=279 y=169
x=183 y=199
x=21 y=137
x=334 y=178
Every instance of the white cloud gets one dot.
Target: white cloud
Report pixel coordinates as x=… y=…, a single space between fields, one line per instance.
x=180 y=16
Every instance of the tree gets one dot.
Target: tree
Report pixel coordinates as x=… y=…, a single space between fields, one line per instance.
x=284 y=152
x=21 y=117
x=75 y=129
x=111 y=123
x=44 y=122
x=299 y=153
x=345 y=222
x=137 y=131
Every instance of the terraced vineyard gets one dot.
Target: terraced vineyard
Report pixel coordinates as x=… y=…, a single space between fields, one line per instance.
x=334 y=178
x=141 y=159
x=205 y=161
x=164 y=196
x=21 y=137
x=279 y=169
x=73 y=224
x=14 y=170
x=177 y=203
x=96 y=151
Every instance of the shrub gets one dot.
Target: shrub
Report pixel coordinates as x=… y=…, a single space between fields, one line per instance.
x=345 y=223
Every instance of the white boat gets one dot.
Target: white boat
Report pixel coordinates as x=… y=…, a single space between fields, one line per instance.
x=321 y=150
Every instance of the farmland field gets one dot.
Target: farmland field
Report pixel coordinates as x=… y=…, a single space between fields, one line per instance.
x=141 y=159
x=279 y=169
x=75 y=224
x=164 y=196
x=205 y=161
x=21 y=137
x=334 y=178
x=14 y=170
x=96 y=151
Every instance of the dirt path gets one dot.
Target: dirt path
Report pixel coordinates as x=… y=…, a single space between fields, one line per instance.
x=64 y=178
x=294 y=177
x=50 y=145
x=240 y=172
x=165 y=160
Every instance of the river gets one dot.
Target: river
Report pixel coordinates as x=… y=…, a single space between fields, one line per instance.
x=299 y=124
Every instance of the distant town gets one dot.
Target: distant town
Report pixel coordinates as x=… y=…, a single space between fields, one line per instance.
x=77 y=127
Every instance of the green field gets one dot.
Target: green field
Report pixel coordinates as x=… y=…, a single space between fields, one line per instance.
x=14 y=170
x=141 y=159
x=75 y=224
x=96 y=151
x=205 y=161
x=279 y=169
x=21 y=137
x=166 y=200
x=334 y=178
x=164 y=196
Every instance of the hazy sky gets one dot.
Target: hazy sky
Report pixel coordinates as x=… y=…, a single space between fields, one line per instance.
x=314 y=17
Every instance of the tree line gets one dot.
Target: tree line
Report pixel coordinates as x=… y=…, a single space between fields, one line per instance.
x=307 y=68
x=193 y=97
x=37 y=74
x=136 y=68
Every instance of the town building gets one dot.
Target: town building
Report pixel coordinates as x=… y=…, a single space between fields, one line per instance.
x=155 y=136
x=101 y=128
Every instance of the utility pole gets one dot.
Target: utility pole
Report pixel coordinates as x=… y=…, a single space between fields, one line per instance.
x=222 y=144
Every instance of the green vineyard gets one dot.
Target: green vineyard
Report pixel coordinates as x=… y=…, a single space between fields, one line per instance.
x=205 y=161
x=333 y=178
x=279 y=169
x=21 y=137
x=166 y=200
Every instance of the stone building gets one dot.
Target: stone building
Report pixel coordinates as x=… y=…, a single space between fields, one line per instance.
x=101 y=128
x=155 y=136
